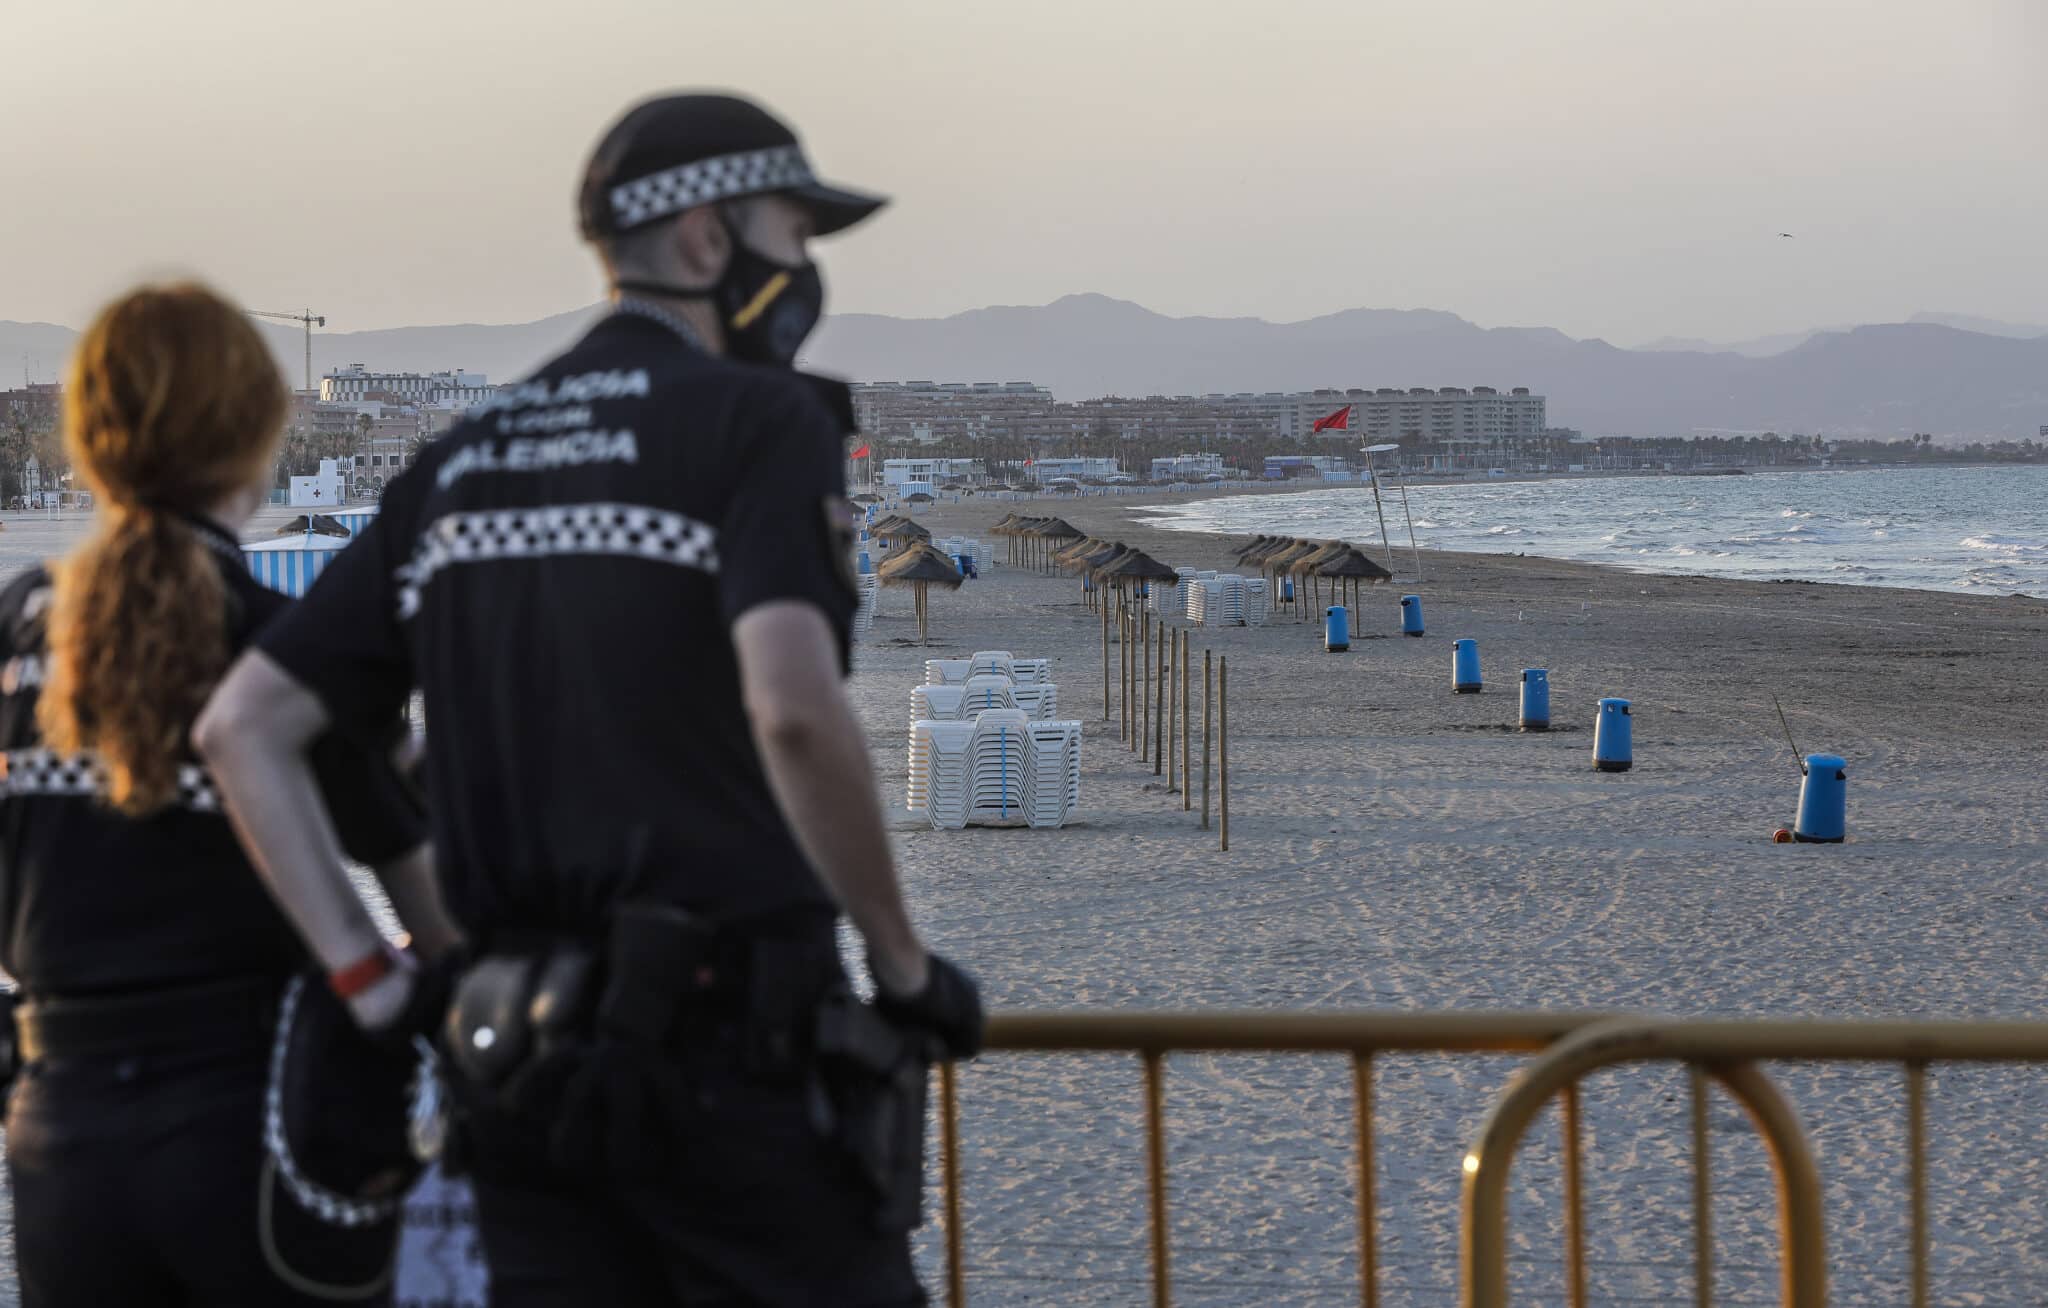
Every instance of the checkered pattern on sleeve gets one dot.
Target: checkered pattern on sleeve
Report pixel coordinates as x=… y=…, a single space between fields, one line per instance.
x=47 y=773
x=673 y=190
x=619 y=530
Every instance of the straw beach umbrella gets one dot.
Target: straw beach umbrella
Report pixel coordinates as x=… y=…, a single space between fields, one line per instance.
x=921 y=567
x=1013 y=526
x=1352 y=568
x=317 y=524
x=866 y=497
x=1257 y=545
x=1304 y=566
x=1083 y=556
x=901 y=528
x=1277 y=561
x=1137 y=565
x=1053 y=530
x=895 y=532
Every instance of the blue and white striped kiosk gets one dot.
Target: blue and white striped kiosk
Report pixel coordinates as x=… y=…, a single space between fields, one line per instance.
x=355 y=519
x=290 y=563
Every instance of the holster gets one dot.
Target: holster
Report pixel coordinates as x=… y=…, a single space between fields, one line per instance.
x=10 y=1042
x=875 y=1077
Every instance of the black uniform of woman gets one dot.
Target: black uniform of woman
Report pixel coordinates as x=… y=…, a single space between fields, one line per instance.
x=149 y=956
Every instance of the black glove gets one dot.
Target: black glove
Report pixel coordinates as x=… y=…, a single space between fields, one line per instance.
x=949 y=1007
x=426 y=1005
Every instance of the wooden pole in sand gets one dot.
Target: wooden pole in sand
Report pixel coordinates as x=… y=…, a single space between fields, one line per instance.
x=1159 y=701
x=1207 y=687
x=1172 y=710
x=1223 y=743
x=1123 y=669
x=1130 y=678
x=1187 y=779
x=1105 y=663
x=1145 y=685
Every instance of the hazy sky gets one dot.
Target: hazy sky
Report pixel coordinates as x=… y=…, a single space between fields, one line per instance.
x=1614 y=168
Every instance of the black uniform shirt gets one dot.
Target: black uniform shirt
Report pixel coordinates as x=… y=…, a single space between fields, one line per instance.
x=96 y=902
x=559 y=575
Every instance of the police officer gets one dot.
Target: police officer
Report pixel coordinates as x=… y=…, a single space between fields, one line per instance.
x=625 y=590
x=152 y=965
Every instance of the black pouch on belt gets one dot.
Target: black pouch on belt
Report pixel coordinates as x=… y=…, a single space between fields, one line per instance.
x=874 y=1080
x=517 y=1025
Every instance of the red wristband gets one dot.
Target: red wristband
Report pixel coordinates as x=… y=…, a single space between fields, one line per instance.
x=348 y=982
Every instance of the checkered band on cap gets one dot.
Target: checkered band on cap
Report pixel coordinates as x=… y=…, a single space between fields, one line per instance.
x=323 y=1203
x=627 y=530
x=721 y=177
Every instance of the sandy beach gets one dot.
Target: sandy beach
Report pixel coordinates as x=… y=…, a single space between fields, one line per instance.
x=1397 y=846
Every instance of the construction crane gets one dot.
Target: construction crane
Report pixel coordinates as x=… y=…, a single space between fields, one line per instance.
x=310 y=319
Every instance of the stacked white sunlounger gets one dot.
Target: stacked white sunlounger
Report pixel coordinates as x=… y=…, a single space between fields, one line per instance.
x=1040 y=700
x=864 y=612
x=978 y=550
x=1257 y=601
x=1000 y=767
x=984 y=746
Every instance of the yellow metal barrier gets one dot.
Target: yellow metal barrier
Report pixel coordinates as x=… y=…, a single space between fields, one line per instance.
x=1568 y=1046
x=1151 y=1036
x=1728 y=1052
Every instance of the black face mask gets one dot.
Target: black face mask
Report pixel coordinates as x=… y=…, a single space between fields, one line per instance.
x=767 y=308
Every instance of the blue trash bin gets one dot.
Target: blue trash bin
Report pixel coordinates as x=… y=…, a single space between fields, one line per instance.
x=1465 y=667
x=862 y=563
x=1535 y=699
x=1336 y=629
x=1613 y=748
x=1823 y=801
x=1287 y=590
x=1411 y=615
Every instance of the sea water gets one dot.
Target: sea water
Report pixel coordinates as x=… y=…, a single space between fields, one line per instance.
x=1979 y=530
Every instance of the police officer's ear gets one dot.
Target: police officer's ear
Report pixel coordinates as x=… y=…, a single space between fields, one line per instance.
x=700 y=244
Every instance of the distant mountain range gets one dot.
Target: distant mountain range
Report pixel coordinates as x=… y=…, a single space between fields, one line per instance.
x=1761 y=346
x=1958 y=377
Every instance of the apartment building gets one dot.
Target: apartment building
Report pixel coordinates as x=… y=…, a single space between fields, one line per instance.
x=907 y=475
x=1187 y=467
x=927 y=412
x=456 y=389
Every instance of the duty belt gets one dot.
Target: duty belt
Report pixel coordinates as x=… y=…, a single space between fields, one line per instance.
x=242 y=1010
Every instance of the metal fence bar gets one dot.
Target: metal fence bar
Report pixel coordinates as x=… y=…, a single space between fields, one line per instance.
x=1368 y=1235
x=1702 y=1192
x=1155 y=1166
x=949 y=1156
x=1916 y=1166
x=1574 y=1203
x=1570 y=1046
x=1153 y=1035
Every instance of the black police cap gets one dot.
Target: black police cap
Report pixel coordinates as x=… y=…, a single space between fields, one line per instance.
x=676 y=152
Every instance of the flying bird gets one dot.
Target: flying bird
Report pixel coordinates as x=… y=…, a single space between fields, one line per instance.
x=1788 y=236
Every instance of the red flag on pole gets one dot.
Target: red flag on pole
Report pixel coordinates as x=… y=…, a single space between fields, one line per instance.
x=1338 y=420
x=860 y=453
